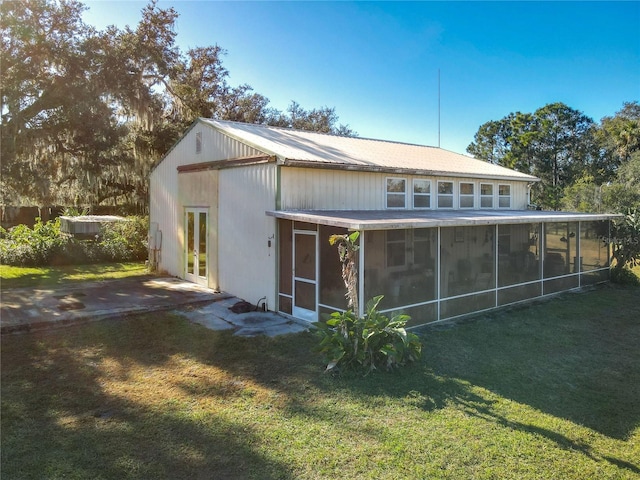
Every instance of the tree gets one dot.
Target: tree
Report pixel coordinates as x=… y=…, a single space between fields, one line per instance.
x=323 y=120
x=562 y=147
x=85 y=113
x=620 y=134
x=48 y=79
x=348 y=252
x=556 y=143
x=72 y=100
x=626 y=240
x=506 y=142
x=611 y=183
x=582 y=196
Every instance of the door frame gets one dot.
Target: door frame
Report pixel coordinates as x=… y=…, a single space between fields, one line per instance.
x=300 y=312
x=190 y=276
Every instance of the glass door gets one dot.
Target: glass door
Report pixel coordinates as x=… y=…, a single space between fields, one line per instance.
x=196 y=235
x=305 y=273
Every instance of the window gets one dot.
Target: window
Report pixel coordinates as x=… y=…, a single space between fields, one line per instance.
x=396 y=248
x=396 y=192
x=422 y=193
x=198 y=142
x=445 y=194
x=504 y=196
x=486 y=195
x=467 y=196
x=422 y=253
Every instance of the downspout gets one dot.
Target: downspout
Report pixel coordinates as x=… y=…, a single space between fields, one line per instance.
x=529 y=185
x=278 y=206
x=278 y=186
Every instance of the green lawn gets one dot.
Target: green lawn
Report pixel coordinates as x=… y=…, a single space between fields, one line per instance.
x=548 y=391
x=15 y=277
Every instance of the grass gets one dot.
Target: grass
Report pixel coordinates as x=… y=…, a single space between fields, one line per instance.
x=546 y=391
x=17 y=277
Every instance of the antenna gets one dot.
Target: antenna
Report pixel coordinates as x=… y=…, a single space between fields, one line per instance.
x=438 y=108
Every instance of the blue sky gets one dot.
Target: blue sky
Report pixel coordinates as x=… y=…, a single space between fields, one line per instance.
x=377 y=62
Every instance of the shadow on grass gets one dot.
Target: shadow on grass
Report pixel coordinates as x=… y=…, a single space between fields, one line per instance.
x=58 y=420
x=575 y=359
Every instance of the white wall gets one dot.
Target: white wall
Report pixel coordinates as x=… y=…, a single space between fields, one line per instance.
x=166 y=207
x=247 y=265
x=320 y=189
x=200 y=189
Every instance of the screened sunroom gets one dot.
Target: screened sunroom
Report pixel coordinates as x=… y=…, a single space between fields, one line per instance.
x=439 y=265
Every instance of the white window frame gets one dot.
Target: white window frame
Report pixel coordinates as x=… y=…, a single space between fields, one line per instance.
x=451 y=195
x=387 y=193
x=420 y=194
x=492 y=196
x=500 y=196
x=467 y=195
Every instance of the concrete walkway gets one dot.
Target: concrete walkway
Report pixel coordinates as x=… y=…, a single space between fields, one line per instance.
x=32 y=309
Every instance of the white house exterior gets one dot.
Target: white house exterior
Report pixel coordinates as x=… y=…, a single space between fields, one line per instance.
x=248 y=209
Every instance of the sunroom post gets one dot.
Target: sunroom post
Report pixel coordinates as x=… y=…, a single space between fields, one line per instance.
x=495 y=272
x=543 y=246
x=578 y=260
x=361 y=275
x=438 y=277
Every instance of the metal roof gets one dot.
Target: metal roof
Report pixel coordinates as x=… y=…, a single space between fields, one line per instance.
x=393 y=219
x=319 y=150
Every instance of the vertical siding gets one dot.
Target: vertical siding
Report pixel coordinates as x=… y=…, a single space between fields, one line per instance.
x=247 y=265
x=200 y=189
x=166 y=208
x=308 y=189
x=518 y=195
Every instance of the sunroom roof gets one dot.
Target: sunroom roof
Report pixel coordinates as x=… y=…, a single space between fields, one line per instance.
x=392 y=219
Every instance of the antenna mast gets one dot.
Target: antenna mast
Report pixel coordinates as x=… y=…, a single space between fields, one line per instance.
x=438 y=108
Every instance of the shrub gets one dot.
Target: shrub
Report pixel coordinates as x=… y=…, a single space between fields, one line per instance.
x=624 y=276
x=626 y=240
x=367 y=343
x=24 y=246
x=121 y=241
x=45 y=244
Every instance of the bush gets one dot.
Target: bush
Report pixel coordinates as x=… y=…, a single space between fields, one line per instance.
x=45 y=244
x=122 y=241
x=367 y=343
x=626 y=240
x=24 y=246
x=624 y=276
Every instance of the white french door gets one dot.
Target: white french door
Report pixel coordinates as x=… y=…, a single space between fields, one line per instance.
x=196 y=228
x=305 y=274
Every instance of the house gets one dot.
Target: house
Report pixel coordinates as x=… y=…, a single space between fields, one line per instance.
x=248 y=209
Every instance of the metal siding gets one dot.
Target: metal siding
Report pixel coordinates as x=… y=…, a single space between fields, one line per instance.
x=247 y=265
x=320 y=189
x=166 y=208
x=518 y=195
x=200 y=189
x=308 y=188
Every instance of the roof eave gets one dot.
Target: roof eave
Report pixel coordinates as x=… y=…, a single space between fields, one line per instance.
x=288 y=162
x=348 y=219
